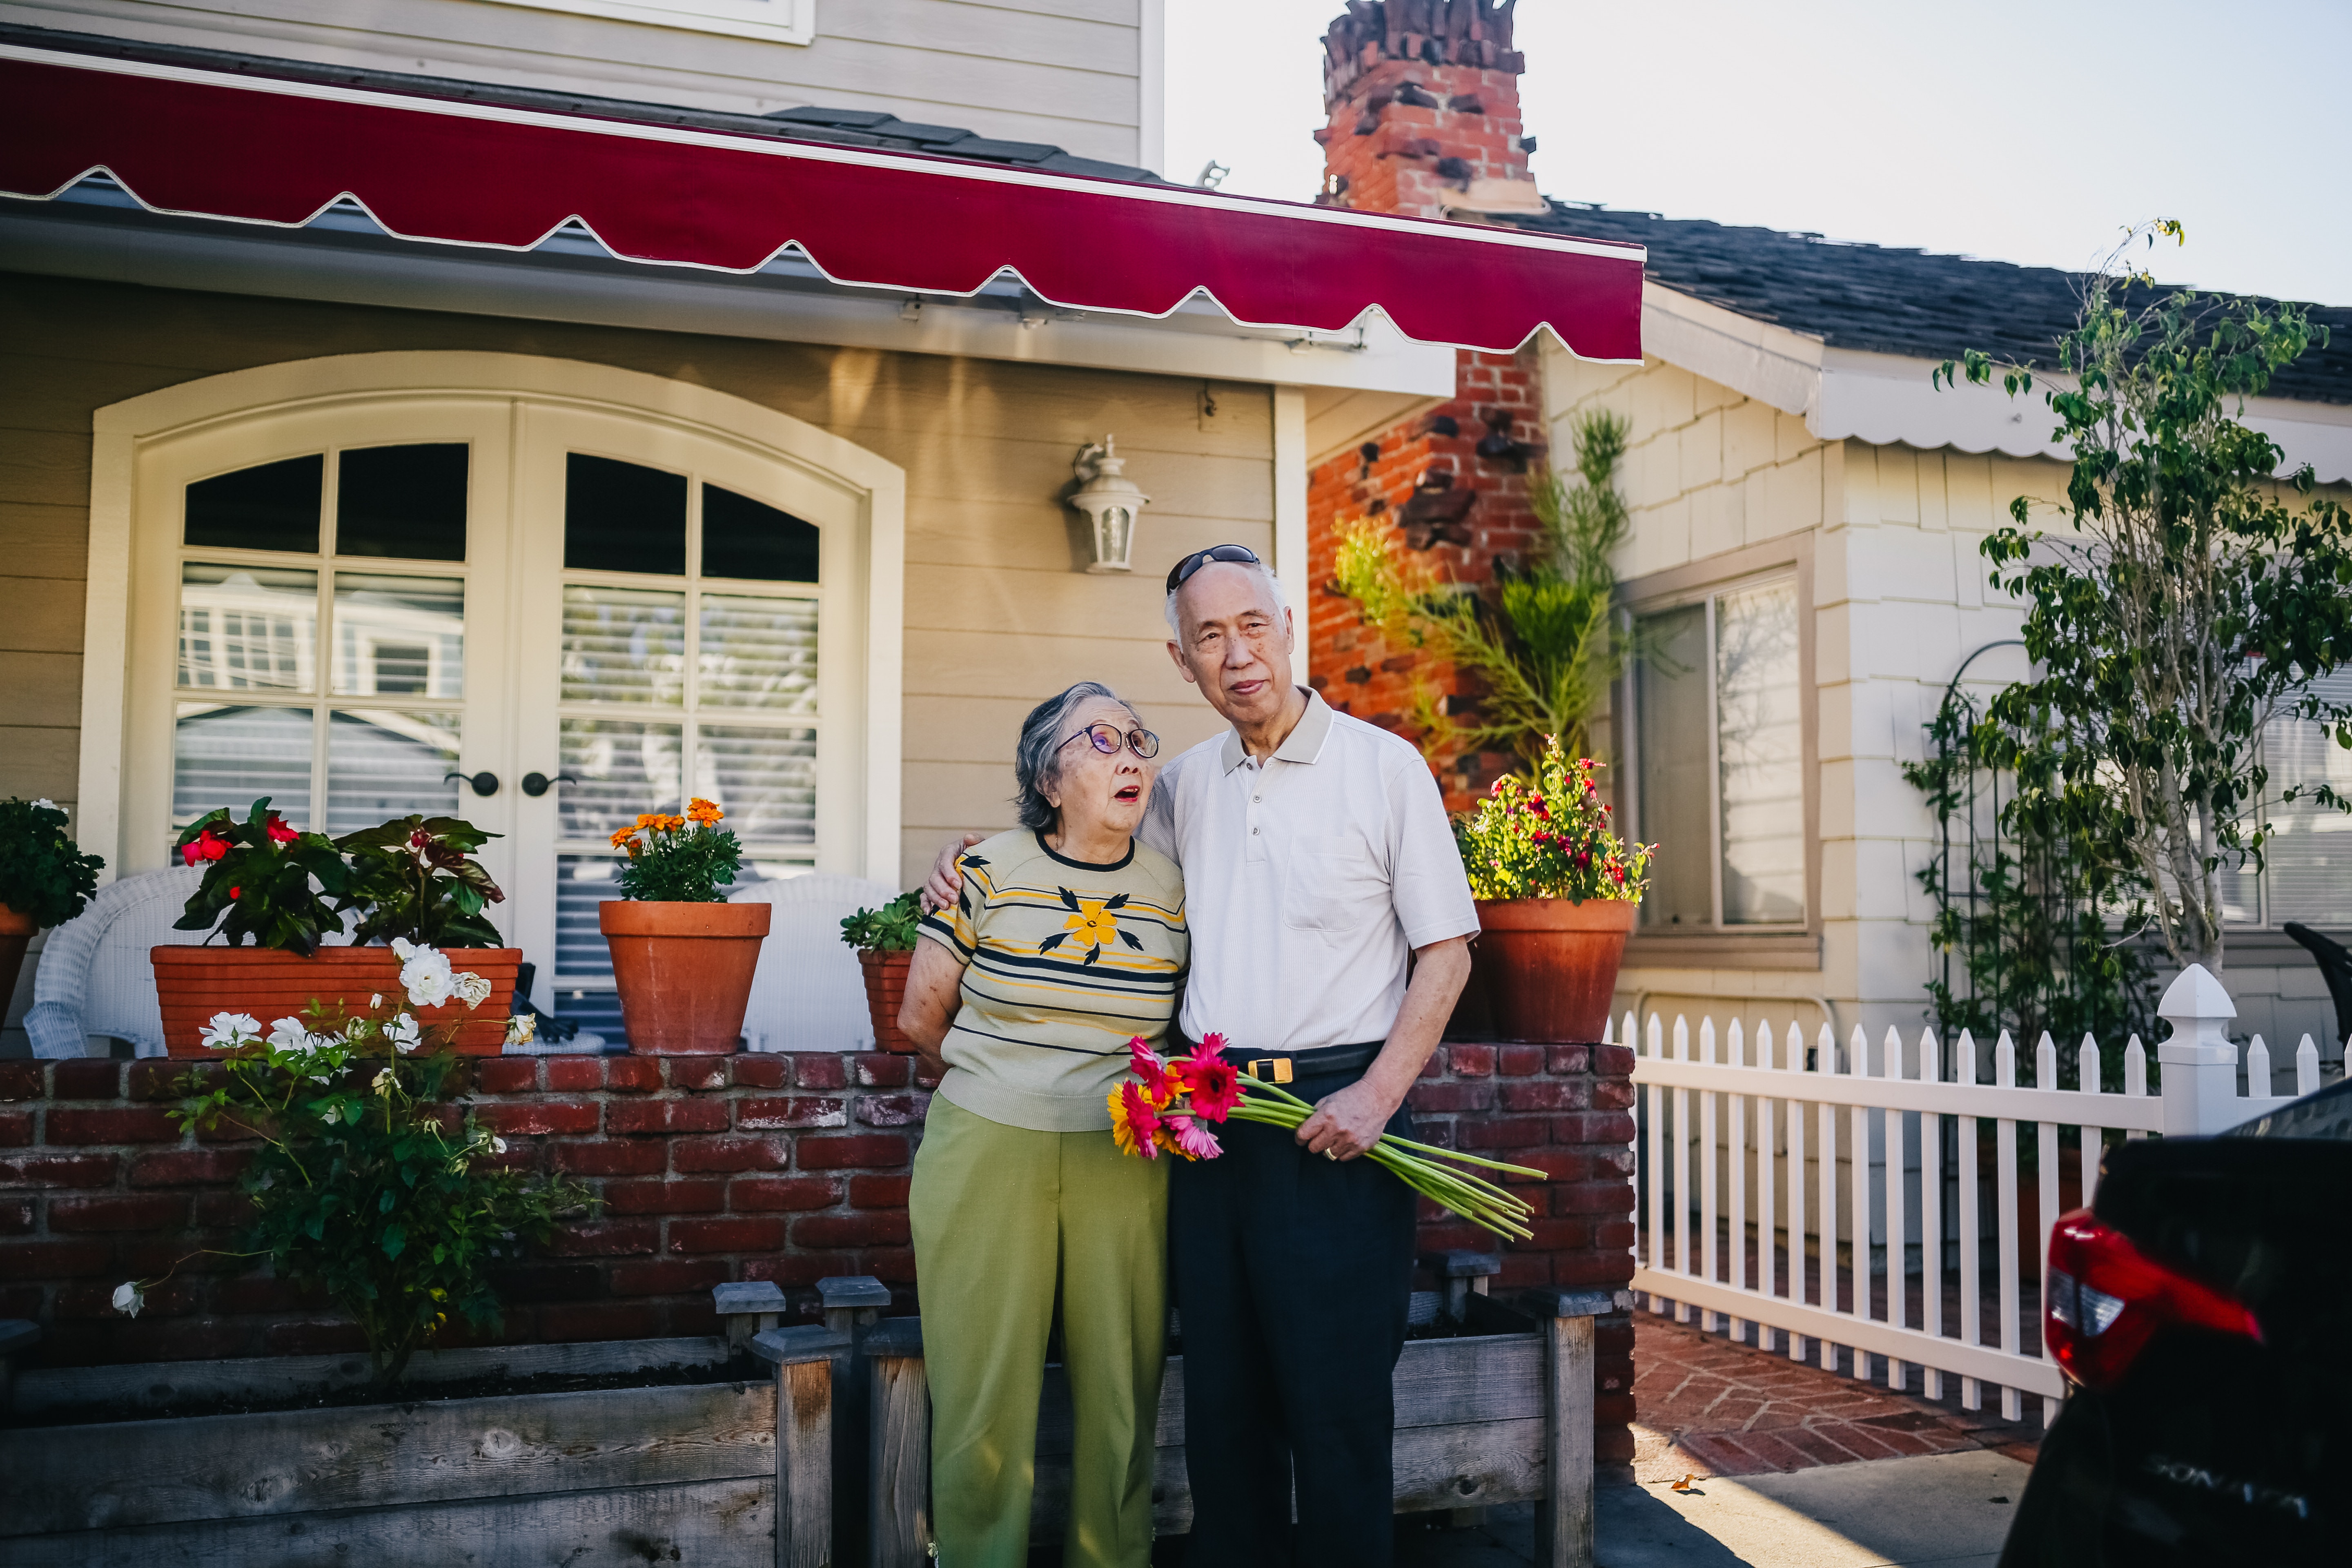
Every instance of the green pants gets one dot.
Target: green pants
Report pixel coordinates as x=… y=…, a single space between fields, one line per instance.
x=1010 y=1224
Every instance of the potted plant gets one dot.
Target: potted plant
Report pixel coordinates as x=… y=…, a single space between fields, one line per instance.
x=683 y=957
x=45 y=878
x=883 y=940
x=1557 y=893
x=287 y=891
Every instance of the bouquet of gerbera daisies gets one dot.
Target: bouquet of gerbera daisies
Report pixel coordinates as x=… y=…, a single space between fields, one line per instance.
x=1168 y=1102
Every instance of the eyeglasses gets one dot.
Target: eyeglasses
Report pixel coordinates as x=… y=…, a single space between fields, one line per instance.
x=1106 y=739
x=1238 y=554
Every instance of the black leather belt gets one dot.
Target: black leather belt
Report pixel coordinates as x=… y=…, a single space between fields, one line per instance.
x=1282 y=1066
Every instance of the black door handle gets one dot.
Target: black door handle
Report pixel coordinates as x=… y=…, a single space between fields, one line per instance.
x=483 y=782
x=536 y=785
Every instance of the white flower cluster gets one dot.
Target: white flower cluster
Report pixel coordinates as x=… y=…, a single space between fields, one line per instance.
x=229 y=1030
x=426 y=972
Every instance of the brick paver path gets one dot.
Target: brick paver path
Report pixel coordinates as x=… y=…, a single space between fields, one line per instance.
x=1705 y=1405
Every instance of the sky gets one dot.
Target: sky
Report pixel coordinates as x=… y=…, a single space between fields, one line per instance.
x=2027 y=133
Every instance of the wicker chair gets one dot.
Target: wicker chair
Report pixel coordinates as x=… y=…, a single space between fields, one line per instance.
x=95 y=978
x=809 y=994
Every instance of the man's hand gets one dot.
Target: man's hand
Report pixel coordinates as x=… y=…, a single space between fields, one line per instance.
x=1346 y=1122
x=945 y=883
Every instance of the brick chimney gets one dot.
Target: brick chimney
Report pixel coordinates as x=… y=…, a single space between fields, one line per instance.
x=1424 y=100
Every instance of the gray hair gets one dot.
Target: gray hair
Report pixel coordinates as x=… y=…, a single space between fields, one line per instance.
x=1273 y=583
x=1037 y=760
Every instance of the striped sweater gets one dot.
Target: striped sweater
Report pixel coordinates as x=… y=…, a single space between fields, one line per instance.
x=1065 y=962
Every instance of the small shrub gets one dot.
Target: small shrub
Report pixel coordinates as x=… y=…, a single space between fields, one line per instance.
x=1550 y=838
x=43 y=872
x=890 y=929
x=678 y=860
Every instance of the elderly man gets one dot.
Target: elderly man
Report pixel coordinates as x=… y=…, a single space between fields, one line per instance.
x=1329 y=918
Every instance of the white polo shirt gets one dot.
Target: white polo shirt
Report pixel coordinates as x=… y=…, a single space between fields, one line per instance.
x=1308 y=880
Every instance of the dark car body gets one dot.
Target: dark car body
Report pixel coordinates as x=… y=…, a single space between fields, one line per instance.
x=2210 y=1443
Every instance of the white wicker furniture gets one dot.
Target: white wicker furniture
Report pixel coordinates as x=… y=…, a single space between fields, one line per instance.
x=809 y=994
x=95 y=978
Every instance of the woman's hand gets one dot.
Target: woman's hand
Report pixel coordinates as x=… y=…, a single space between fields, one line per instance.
x=946 y=880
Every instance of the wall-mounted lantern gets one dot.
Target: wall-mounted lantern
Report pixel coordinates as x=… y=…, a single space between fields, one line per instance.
x=1111 y=501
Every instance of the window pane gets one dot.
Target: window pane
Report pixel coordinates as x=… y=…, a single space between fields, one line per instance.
x=247 y=628
x=2309 y=861
x=623 y=517
x=273 y=507
x=231 y=756
x=766 y=780
x=745 y=538
x=757 y=653
x=401 y=636
x=405 y=501
x=1760 y=732
x=1672 y=745
x=625 y=769
x=382 y=765
x=624 y=645
x=582 y=882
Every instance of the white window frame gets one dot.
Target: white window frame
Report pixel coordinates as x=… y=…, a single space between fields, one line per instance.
x=769 y=21
x=130 y=658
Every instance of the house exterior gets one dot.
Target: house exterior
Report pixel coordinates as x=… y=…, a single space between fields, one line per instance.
x=314 y=490
x=1805 y=504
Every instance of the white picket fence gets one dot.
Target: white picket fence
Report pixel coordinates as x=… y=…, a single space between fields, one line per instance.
x=1729 y=1107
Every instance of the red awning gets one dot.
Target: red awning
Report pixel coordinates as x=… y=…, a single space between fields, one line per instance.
x=254 y=150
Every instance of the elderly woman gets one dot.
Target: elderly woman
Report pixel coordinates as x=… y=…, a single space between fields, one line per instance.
x=1067 y=941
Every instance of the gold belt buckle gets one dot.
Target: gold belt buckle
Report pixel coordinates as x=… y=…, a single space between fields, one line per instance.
x=1281 y=1066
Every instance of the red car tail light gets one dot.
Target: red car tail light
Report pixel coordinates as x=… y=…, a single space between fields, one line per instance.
x=2106 y=1299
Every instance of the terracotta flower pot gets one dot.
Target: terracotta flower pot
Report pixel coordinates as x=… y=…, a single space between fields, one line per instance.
x=15 y=935
x=1552 y=964
x=683 y=972
x=885 y=992
x=194 y=983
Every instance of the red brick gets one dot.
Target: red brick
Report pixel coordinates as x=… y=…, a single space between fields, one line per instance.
x=58 y=1170
x=760 y=1071
x=259 y=1293
x=69 y=1127
x=20 y=1080
x=693 y=1315
x=614 y=1239
x=892 y=1265
x=143 y=1211
x=735 y=1234
x=879 y=1191
x=86 y=1080
x=1520 y=1061
x=801 y=1111
x=1594 y=1267
x=1437 y=1099
x=875 y=1150
x=316 y=1336
x=1504 y=1132
x=1613 y=1061
x=1471 y=1061
x=705 y=1196
x=893 y=1109
x=1558 y=1235
x=801 y=1268
x=544 y=1281
x=566 y=1074
x=1609 y=1127
x=819 y=1070
x=542 y=1117
x=166 y=1080
x=614 y=1157
x=1568 y=1059
x=567 y=1322
x=16 y=1216
x=882 y=1069
x=728 y=1154
x=189 y=1167
x=632 y=1074
x=1547 y=1094
x=1612 y=1094
x=665 y=1115
x=671 y=1276
x=880 y=1229
x=55 y=1259
x=1592 y=1197
x=697 y=1072
x=224 y=1210
x=16 y=1128
x=748 y=1194
x=508 y=1075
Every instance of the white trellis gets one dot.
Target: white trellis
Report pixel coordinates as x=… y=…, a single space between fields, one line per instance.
x=1746 y=1109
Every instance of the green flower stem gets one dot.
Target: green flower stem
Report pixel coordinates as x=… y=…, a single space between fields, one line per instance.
x=1475 y=1199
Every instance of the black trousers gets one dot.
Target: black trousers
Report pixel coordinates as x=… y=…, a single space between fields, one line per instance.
x=1292 y=1273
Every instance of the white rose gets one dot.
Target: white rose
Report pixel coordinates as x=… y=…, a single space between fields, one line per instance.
x=375 y=1001
x=403 y=1032
x=472 y=990
x=129 y=1298
x=521 y=1029
x=228 y=1030
x=289 y=1035
x=426 y=972
x=384 y=1082
x=498 y=1144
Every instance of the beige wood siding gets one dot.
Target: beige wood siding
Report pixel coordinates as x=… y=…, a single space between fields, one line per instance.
x=998 y=614
x=1064 y=72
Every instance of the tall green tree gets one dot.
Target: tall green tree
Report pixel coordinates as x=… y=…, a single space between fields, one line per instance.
x=2193 y=593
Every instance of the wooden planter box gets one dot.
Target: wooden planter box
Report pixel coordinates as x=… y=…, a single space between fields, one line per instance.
x=619 y=1476
x=1503 y=1414
x=192 y=983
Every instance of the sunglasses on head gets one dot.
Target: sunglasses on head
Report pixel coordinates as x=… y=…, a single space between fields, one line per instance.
x=1106 y=739
x=1238 y=554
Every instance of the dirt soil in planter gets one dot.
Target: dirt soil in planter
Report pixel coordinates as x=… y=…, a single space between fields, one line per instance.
x=743 y=1368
